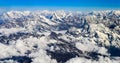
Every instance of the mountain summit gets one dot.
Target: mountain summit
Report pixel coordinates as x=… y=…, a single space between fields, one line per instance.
x=60 y=37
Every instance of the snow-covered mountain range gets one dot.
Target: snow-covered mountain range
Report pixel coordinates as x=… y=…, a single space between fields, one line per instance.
x=60 y=37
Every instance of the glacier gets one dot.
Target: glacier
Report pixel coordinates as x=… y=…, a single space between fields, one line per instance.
x=60 y=37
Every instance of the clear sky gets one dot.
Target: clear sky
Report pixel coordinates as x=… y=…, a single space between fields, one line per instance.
x=61 y=4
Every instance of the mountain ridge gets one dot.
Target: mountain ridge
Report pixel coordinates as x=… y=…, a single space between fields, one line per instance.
x=60 y=37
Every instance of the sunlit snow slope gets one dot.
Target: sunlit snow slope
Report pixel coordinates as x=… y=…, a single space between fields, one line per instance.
x=60 y=37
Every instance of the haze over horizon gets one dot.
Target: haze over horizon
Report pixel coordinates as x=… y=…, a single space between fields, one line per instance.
x=72 y=5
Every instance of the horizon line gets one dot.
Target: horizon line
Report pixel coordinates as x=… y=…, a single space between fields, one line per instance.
x=52 y=8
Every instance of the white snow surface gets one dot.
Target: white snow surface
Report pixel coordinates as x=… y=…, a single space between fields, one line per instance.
x=60 y=37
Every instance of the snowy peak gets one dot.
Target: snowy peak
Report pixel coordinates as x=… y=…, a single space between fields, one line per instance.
x=60 y=37
x=16 y=14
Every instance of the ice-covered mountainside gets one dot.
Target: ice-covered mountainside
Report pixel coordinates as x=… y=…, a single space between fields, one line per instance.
x=60 y=37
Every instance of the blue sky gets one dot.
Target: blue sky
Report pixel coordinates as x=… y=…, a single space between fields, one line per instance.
x=61 y=4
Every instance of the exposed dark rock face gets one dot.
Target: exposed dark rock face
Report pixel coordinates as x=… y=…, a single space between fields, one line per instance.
x=20 y=59
x=57 y=37
x=114 y=51
x=19 y=35
x=65 y=52
x=62 y=57
x=53 y=35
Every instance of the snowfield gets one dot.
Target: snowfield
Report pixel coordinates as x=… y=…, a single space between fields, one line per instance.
x=60 y=37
